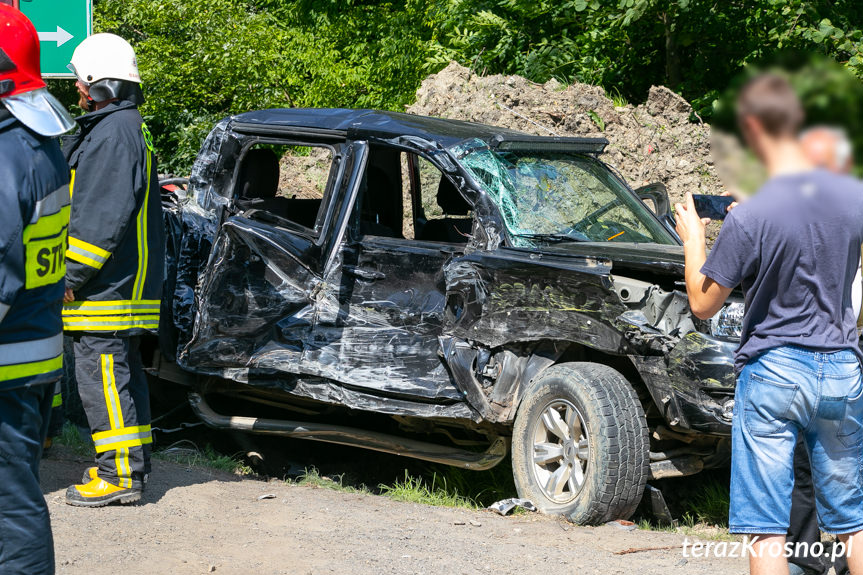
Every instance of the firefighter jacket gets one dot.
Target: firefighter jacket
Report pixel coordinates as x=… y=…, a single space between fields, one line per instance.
x=34 y=217
x=115 y=259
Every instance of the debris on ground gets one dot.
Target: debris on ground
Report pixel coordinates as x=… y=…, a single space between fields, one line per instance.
x=504 y=506
x=657 y=506
x=623 y=525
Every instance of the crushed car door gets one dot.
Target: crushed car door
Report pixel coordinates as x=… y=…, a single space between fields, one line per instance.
x=378 y=329
x=257 y=294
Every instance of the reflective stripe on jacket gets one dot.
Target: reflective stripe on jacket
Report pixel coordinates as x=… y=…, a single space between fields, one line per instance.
x=34 y=219
x=115 y=258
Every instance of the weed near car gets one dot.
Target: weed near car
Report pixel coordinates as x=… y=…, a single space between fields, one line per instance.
x=311 y=477
x=187 y=453
x=442 y=486
x=420 y=490
x=700 y=504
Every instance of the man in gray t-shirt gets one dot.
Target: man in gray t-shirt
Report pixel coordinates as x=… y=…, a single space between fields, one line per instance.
x=793 y=248
x=795 y=254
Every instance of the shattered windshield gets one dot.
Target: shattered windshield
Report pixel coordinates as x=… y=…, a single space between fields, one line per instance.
x=553 y=196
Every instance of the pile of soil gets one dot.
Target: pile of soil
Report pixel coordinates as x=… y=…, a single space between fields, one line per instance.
x=653 y=142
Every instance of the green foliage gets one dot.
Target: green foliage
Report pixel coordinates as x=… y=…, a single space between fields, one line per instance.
x=617 y=98
x=695 y=48
x=830 y=94
x=438 y=485
x=539 y=39
x=600 y=123
x=480 y=487
x=204 y=59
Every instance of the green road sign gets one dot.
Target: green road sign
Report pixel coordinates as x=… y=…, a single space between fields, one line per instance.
x=62 y=25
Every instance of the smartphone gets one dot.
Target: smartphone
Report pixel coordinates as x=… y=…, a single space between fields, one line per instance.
x=713 y=207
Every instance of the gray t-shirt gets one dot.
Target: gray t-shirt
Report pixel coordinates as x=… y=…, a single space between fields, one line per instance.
x=794 y=247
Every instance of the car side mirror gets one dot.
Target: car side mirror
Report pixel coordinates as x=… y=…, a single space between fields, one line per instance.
x=656 y=197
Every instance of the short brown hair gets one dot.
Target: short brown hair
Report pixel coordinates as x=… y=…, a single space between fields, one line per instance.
x=772 y=101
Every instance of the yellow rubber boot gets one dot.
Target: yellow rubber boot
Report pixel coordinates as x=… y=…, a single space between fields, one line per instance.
x=98 y=493
x=92 y=473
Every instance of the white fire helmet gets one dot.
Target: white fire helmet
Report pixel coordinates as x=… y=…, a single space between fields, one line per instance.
x=105 y=56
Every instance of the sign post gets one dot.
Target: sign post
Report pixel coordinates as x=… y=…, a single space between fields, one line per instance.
x=62 y=25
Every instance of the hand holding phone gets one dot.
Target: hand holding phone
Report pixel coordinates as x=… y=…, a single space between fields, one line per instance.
x=713 y=207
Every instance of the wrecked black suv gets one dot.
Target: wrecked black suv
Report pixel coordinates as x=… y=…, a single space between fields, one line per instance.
x=444 y=290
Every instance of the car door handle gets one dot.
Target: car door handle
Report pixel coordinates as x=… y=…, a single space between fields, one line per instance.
x=364 y=274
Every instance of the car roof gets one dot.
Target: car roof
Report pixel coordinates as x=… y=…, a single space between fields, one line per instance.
x=362 y=124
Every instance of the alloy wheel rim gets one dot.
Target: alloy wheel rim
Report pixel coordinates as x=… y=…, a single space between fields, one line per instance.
x=561 y=451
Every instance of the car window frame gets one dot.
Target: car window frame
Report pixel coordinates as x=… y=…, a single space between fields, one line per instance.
x=325 y=211
x=354 y=234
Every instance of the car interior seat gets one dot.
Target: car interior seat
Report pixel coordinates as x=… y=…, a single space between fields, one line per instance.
x=258 y=183
x=258 y=177
x=381 y=214
x=455 y=230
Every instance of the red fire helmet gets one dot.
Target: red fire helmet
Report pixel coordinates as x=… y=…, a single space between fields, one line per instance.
x=22 y=89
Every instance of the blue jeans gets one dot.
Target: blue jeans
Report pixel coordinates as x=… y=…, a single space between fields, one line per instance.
x=780 y=394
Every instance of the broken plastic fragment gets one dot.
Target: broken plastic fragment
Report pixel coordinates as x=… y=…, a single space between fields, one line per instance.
x=623 y=525
x=506 y=505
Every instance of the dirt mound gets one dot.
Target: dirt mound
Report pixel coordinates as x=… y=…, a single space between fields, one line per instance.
x=652 y=142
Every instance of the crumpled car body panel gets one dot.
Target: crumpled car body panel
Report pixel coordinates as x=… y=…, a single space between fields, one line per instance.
x=417 y=329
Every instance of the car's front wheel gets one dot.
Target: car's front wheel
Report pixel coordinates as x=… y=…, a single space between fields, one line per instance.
x=580 y=444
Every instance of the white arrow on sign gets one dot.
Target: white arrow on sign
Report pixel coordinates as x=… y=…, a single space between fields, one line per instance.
x=60 y=36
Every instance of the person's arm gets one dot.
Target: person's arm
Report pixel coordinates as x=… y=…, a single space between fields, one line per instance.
x=103 y=207
x=706 y=297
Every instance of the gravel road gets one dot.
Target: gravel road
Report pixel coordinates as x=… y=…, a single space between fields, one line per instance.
x=195 y=520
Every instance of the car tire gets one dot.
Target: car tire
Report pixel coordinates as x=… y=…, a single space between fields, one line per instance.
x=580 y=444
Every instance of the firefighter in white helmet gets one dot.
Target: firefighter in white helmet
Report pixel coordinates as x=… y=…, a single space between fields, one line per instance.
x=114 y=271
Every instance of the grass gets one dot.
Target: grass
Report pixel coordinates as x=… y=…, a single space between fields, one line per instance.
x=311 y=477
x=71 y=438
x=710 y=504
x=207 y=457
x=429 y=484
x=600 y=123
x=420 y=490
x=481 y=487
x=190 y=456
x=700 y=504
x=618 y=99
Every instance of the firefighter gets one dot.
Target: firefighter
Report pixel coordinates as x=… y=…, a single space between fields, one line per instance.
x=34 y=218
x=114 y=268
